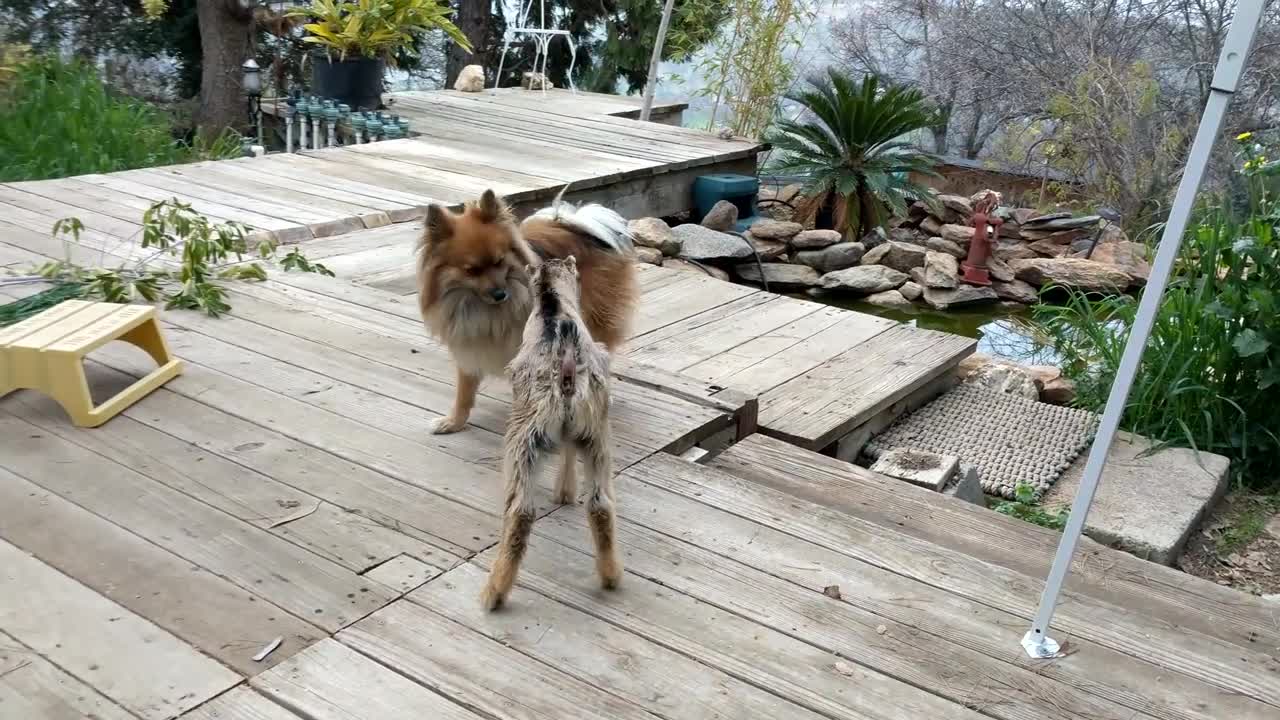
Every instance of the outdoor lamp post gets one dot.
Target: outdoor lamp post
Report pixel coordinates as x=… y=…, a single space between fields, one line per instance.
x=251 y=81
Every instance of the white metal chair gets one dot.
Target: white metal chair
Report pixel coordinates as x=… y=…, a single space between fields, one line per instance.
x=542 y=38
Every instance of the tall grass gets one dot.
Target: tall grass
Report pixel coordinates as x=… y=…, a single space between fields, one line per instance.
x=57 y=118
x=1210 y=376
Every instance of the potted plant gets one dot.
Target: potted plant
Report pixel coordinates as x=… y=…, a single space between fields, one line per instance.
x=850 y=145
x=357 y=39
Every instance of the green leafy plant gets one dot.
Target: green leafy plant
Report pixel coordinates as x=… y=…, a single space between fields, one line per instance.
x=850 y=145
x=57 y=118
x=746 y=67
x=191 y=259
x=1025 y=506
x=376 y=28
x=1210 y=376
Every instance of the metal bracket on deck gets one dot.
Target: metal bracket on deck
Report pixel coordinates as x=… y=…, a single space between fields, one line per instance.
x=1040 y=647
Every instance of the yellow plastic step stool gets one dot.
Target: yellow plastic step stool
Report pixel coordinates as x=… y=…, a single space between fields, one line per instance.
x=47 y=353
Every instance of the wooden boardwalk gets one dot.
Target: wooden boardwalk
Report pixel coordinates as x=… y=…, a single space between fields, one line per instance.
x=286 y=487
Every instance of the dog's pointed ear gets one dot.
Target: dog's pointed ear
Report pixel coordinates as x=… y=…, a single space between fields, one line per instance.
x=490 y=208
x=438 y=225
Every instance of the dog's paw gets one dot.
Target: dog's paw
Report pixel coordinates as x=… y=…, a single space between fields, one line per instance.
x=447 y=425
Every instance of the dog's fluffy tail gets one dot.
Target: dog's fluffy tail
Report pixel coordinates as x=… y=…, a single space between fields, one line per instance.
x=597 y=221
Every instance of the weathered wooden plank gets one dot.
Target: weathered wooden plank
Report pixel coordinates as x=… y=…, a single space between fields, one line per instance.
x=826 y=403
x=1090 y=670
x=17 y=258
x=285 y=230
x=731 y=327
x=32 y=688
x=294 y=192
x=206 y=611
x=55 y=210
x=470 y=185
x=471 y=484
x=126 y=658
x=876 y=643
x=403 y=573
x=755 y=654
x=397 y=185
x=308 y=586
x=400 y=255
x=329 y=681
x=790 y=351
x=1126 y=630
x=243 y=196
x=73 y=193
x=1097 y=571
x=477 y=672
x=35 y=233
x=684 y=298
x=340 y=247
x=654 y=677
x=493 y=162
x=241 y=703
x=350 y=539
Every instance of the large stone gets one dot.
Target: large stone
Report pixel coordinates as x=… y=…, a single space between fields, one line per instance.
x=941 y=270
x=931 y=225
x=864 y=279
x=926 y=469
x=1131 y=257
x=1062 y=237
x=917 y=275
x=909 y=235
x=815 y=239
x=889 y=299
x=970 y=364
x=961 y=235
x=536 y=81
x=999 y=270
x=1048 y=248
x=687 y=266
x=836 y=257
x=1058 y=391
x=1022 y=216
x=722 y=216
x=959 y=206
x=897 y=255
x=941 y=298
x=1062 y=223
x=780 y=276
x=1074 y=273
x=1005 y=378
x=1015 y=290
x=911 y=291
x=946 y=246
x=1147 y=504
x=470 y=79
x=652 y=256
x=769 y=250
x=1010 y=251
x=875 y=238
x=707 y=245
x=654 y=232
x=768 y=229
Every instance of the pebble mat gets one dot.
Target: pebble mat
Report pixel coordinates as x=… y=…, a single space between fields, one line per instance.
x=1010 y=440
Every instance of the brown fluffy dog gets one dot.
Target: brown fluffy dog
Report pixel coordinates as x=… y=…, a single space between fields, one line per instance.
x=474 y=286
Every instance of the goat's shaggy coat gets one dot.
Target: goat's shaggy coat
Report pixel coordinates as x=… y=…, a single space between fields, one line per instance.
x=560 y=398
x=474 y=286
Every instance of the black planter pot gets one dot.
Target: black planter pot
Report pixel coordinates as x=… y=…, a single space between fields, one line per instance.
x=354 y=81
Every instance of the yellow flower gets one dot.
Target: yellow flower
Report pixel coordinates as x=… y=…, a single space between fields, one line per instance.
x=1244 y=136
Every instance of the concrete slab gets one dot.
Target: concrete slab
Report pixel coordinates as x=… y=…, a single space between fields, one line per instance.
x=926 y=469
x=1147 y=505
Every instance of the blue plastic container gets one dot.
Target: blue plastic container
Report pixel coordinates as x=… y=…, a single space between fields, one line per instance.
x=741 y=190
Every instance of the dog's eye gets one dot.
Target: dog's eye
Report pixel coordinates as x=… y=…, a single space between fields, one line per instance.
x=474 y=270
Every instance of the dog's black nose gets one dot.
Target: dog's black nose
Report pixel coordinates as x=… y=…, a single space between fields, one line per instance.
x=498 y=294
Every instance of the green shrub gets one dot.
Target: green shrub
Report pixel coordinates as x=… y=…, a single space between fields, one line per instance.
x=1210 y=377
x=57 y=118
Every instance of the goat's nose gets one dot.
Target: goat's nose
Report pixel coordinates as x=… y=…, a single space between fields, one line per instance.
x=498 y=294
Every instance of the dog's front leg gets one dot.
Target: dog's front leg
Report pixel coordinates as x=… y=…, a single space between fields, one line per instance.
x=463 y=401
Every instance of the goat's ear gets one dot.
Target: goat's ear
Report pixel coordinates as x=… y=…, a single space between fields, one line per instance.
x=571 y=262
x=439 y=225
x=491 y=209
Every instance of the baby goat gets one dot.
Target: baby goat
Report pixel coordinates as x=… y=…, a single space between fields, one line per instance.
x=560 y=398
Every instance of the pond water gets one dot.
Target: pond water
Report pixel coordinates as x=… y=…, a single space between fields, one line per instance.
x=1000 y=332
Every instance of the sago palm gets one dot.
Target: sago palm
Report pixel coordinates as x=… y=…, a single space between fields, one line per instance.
x=850 y=145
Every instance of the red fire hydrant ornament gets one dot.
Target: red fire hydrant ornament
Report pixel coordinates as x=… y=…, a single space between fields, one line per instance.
x=980 y=247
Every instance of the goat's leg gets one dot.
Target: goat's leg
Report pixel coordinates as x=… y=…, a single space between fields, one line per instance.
x=567 y=480
x=598 y=450
x=526 y=445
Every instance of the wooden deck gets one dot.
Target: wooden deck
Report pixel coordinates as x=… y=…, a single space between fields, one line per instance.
x=558 y=101
x=286 y=487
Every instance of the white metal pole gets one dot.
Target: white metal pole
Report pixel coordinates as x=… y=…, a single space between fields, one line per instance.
x=651 y=85
x=1231 y=62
